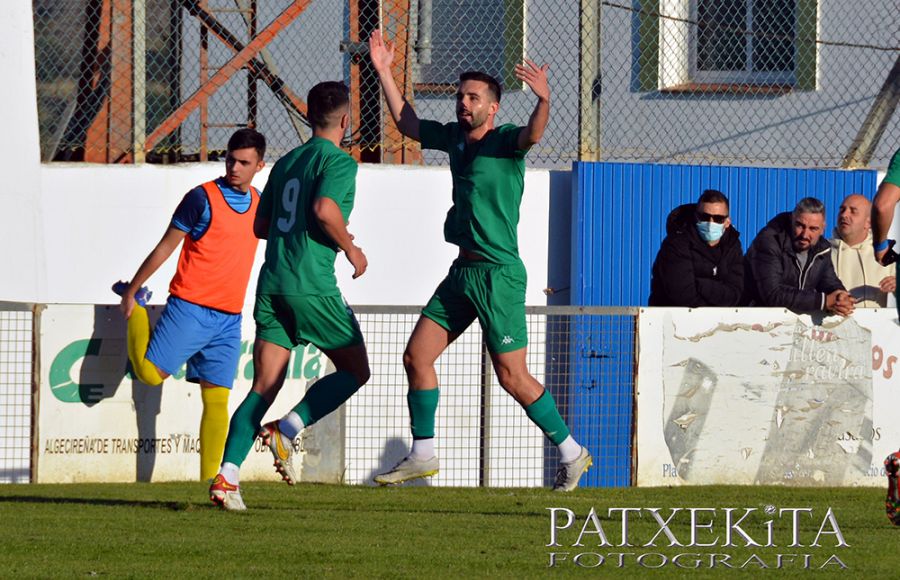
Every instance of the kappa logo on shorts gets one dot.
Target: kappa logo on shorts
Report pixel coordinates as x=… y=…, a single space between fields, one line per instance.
x=507 y=340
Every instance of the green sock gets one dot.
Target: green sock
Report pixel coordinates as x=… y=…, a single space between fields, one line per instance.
x=244 y=428
x=422 y=408
x=326 y=395
x=545 y=415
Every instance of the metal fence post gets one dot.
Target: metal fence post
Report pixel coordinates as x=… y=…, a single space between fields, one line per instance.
x=589 y=82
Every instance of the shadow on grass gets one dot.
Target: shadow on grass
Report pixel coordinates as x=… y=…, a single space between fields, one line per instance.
x=165 y=505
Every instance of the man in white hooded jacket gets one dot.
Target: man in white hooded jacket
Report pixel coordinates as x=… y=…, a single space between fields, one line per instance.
x=854 y=258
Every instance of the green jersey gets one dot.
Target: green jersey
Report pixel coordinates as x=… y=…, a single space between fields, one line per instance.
x=488 y=181
x=299 y=254
x=893 y=172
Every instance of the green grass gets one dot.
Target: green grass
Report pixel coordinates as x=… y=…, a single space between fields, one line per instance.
x=323 y=531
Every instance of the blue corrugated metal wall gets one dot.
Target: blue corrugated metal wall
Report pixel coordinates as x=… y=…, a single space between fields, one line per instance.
x=600 y=394
x=620 y=212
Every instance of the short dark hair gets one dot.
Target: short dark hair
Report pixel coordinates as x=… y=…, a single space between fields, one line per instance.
x=323 y=100
x=493 y=85
x=809 y=205
x=714 y=196
x=248 y=139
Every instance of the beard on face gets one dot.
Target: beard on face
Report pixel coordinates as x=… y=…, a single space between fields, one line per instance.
x=473 y=121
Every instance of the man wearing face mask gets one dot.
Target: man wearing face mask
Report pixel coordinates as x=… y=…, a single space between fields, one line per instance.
x=789 y=264
x=854 y=257
x=701 y=262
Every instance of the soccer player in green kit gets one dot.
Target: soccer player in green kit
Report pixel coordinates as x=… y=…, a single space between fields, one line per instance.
x=303 y=212
x=487 y=281
x=882 y=215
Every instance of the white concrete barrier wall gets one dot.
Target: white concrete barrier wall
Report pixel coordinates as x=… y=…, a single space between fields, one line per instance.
x=724 y=396
x=764 y=396
x=95 y=424
x=100 y=222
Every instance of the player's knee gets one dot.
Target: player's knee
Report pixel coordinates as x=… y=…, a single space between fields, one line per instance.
x=413 y=362
x=407 y=360
x=506 y=378
x=214 y=397
x=512 y=380
x=149 y=374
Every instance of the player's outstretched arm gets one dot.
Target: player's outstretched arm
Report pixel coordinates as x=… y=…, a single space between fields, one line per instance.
x=332 y=221
x=382 y=55
x=883 y=214
x=536 y=78
x=150 y=265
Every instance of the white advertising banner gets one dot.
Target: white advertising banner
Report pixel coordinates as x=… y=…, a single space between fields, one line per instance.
x=98 y=424
x=765 y=396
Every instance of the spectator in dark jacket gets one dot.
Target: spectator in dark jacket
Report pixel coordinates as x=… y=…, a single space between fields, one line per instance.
x=789 y=264
x=701 y=262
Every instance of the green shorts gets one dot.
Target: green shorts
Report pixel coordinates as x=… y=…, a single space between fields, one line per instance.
x=289 y=321
x=492 y=293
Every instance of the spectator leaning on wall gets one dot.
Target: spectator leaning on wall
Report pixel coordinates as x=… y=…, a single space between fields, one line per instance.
x=854 y=258
x=789 y=264
x=700 y=262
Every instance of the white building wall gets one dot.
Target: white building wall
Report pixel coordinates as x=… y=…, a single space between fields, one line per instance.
x=21 y=248
x=101 y=221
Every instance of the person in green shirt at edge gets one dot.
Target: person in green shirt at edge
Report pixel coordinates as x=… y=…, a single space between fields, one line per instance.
x=487 y=281
x=882 y=215
x=303 y=213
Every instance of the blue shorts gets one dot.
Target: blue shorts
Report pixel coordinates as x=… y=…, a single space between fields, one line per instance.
x=209 y=340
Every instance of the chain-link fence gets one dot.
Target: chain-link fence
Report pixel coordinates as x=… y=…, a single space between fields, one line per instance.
x=16 y=367
x=776 y=82
x=585 y=357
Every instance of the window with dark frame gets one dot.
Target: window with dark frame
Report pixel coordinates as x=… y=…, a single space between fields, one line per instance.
x=485 y=35
x=745 y=41
x=751 y=47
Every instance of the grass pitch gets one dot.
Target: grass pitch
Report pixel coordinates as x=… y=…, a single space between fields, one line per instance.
x=325 y=531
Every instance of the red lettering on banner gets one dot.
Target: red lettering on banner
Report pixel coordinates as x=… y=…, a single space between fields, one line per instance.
x=881 y=359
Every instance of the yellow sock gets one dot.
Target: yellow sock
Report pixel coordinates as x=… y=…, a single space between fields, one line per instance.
x=138 y=340
x=213 y=430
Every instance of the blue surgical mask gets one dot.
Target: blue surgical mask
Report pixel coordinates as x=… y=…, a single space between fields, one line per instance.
x=710 y=231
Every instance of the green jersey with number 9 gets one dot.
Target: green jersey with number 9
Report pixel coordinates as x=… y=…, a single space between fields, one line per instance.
x=299 y=254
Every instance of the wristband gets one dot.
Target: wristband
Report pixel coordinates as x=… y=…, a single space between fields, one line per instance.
x=883 y=245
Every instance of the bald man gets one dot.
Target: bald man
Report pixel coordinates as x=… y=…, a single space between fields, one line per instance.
x=854 y=257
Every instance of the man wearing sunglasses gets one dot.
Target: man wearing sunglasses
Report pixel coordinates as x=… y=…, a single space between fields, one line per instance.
x=789 y=264
x=701 y=262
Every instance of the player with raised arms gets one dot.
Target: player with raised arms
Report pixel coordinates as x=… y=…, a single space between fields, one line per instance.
x=487 y=281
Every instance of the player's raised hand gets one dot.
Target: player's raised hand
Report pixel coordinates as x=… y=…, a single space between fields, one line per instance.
x=358 y=260
x=535 y=77
x=380 y=52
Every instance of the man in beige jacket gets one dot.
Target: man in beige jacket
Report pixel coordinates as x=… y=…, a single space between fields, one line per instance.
x=854 y=258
